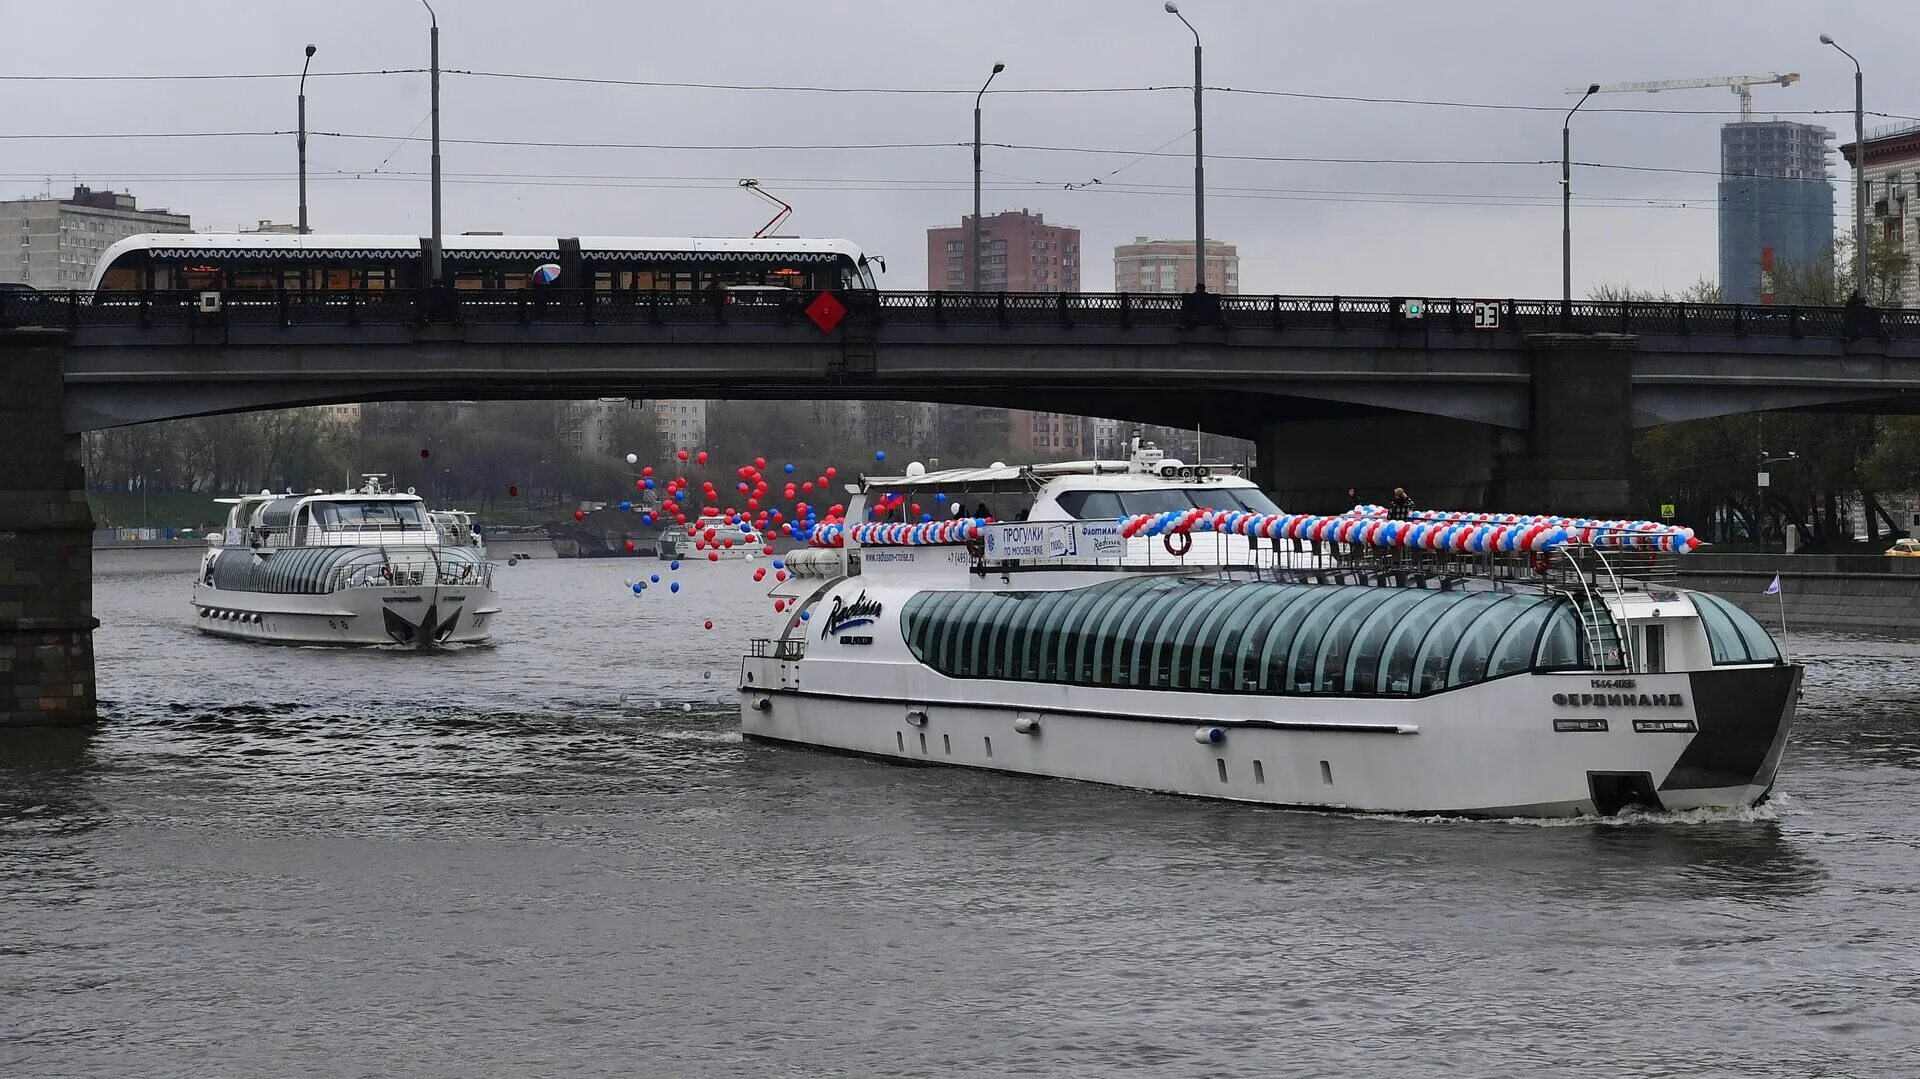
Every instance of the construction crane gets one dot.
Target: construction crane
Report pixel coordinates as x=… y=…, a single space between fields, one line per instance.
x=1741 y=85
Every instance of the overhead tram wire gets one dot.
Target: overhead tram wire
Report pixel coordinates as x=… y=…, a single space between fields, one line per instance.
x=665 y=84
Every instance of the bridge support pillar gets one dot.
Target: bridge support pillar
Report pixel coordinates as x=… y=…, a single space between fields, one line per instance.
x=1308 y=465
x=46 y=543
x=1579 y=449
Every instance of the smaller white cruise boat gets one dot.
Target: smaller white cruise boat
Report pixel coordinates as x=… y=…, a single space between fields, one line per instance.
x=1165 y=627
x=364 y=567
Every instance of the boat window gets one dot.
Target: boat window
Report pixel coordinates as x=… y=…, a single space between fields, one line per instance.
x=1369 y=644
x=1157 y=500
x=1515 y=650
x=1090 y=505
x=1436 y=652
x=1293 y=673
x=1251 y=499
x=1732 y=633
x=349 y=516
x=1329 y=669
x=1403 y=645
x=1560 y=641
x=1475 y=650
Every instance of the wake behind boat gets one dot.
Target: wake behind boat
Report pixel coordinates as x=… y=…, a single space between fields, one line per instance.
x=362 y=567
x=1164 y=627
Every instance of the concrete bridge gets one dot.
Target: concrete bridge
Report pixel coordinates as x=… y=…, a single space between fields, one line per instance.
x=1514 y=403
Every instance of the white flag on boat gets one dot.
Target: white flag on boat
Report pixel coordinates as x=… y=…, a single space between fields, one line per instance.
x=1774 y=588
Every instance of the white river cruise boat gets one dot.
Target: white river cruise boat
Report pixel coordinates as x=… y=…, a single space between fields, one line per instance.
x=1165 y=627
x=362 y=567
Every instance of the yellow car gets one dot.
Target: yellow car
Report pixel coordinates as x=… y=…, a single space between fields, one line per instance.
x=1906 y=548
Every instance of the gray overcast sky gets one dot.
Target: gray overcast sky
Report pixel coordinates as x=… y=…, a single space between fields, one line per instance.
x=1301 y=227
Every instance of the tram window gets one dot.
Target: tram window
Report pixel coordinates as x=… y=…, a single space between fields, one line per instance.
x=377 y=279
x=165 y=278
x=121 y=278
x=293 y=280
x=252 y=279
x=201 y=277
x=514 y=280
x=471 y=280
x=339 y=280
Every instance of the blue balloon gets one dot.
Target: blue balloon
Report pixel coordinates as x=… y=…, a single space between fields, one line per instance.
x=675 y=564
x=777 y=564
x=679 y=495
x=746 y=527
x=647 y=517
x=649 y=484
x=926 y=517
x=939 y=497
x=806 y=616
x=655 y=578
x=625 y=506
x=879 y=455
x=789 y=470
x=674 y=587
x=638 y=588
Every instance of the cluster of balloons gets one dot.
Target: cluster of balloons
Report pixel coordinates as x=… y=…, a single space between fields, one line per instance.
x=759 y=512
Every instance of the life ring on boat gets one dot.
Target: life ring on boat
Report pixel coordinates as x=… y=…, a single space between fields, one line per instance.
x=1177 y=549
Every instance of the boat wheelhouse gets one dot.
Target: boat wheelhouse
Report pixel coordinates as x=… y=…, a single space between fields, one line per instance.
x=369 y=566
x=1459 y=663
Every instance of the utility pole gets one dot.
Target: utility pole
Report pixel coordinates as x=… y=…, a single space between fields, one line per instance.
x=1199 y=162
x=1859 y=174
x=1566 y=202
x=434 y=259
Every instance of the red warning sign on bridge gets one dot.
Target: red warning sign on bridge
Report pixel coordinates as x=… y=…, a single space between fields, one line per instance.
x=826 y=311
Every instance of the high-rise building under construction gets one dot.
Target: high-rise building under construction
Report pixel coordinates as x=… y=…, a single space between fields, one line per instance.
x=1776 y=204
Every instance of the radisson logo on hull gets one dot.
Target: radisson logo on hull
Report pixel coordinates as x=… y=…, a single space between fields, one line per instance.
x=845 y=616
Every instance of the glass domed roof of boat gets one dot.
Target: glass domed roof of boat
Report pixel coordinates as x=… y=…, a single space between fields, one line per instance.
x=1253 y=637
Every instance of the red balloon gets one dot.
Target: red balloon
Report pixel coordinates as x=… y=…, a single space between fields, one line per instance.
x=709 y=623
x=639 y=485
x=709 y=535
x=786 y=530
x=759 y=462
x=831 y=472
x=768 y=549
x=700 y=458
x=760 y=574
x=647 y=471
x=807 y=487
x=513 y=491
x=838 y=510
x=629 y=545
x=728 y=544
x=753 y=503
x=916 y=508
x=779 y=605
x=822 y=481
x=780 y=576
x=713 y=556
x=683 y=455
x=579 y=515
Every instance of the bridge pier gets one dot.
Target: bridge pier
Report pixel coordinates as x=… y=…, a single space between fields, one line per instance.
x=46 y=543
x=1579 y=451
x=1574 y=459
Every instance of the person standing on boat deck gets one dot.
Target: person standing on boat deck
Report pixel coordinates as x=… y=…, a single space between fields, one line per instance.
x=1353 y=499
x=1401 y=508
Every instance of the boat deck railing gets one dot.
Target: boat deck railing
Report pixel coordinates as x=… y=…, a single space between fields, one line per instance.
x=412 y=575
x=358 y=536
x=790 y=649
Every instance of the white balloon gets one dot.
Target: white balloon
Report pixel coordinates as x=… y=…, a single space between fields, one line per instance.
x=633 y=458
x=999 y=464
x=955 y=507
x=916 y=469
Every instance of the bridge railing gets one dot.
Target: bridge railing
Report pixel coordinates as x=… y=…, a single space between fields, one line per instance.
x=527 y=306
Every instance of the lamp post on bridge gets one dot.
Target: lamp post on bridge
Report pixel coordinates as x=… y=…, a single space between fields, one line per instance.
x=1199 y=162
x=1761 y=481
x=975 y=245
x=435 y=254
x=1859 y=174
x=1566 y=201
x=303 y=138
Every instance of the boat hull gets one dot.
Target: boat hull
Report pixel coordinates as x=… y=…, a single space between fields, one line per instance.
x=1499 y=749
x=426 y=616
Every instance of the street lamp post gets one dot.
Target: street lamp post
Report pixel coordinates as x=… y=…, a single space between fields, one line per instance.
x=303 y=138
x=1199 y=163
x=975 y=245
x=1859 y=173
x=1763 y=480
x=1566 y=202
x=434 y=259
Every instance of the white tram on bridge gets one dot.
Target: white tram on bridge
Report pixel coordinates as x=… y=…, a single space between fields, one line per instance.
x=219 y=262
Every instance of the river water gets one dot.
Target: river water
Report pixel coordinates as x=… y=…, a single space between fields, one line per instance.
x=553 y=856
